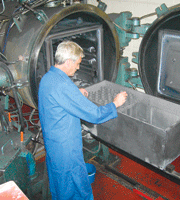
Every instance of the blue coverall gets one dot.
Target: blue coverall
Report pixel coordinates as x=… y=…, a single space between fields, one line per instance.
x=61 y=106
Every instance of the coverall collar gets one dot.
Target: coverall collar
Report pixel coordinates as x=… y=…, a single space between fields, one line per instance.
x=60 y=72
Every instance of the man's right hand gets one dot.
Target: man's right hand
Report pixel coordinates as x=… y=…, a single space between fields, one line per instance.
x=120 y=99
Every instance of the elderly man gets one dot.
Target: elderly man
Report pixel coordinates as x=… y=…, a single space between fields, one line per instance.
x=61 y=106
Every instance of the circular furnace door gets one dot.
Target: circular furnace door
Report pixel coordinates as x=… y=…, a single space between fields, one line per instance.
x=159 y=57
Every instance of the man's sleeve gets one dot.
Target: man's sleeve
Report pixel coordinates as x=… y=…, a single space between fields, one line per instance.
x=75 y=103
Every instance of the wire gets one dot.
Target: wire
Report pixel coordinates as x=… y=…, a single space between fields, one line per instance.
x=134 y=88
x=30 y=118
x=20 y=99
x=6 y=37
x=93 y=152
x=120 y=27
x=152 y=14
x=3 y=56
x=15 y=93
x=3 y=7
x=148 y=15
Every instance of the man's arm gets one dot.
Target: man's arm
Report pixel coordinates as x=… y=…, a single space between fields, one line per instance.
x=84 y=92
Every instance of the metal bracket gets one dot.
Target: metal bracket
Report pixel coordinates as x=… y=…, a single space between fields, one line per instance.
x=40 y=14
x=19 y=84
x=162 y=10
x=19 y=21
x=102 y=6
x=141 y=29
x=135 y=57
x=9 y=141
x=129 y=28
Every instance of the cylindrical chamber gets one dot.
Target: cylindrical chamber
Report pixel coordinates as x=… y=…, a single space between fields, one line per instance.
x=35 y=41
x=148 y=52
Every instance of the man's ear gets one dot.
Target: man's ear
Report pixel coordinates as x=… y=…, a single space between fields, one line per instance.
x=67 y=63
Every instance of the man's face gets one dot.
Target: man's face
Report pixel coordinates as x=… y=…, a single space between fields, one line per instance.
x=74 y=66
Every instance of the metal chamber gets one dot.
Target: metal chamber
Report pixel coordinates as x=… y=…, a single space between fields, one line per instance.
x=150 y=59
x=31 y=43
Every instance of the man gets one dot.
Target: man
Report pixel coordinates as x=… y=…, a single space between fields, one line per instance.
x=61 y=106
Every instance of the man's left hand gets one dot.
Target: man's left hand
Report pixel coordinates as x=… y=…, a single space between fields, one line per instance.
x=84 y=92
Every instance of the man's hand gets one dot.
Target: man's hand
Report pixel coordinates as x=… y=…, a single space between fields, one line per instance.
x=120 y=99
x=84 y=92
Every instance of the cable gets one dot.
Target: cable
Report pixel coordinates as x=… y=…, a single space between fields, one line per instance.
x=15 y=93
x=120 y=27
x=3 y=7
x=134 y=88
x=4 y=59
x=93 y=152
x=152 y=14
x=6 y=37
x=3 y=117
x=30 y=118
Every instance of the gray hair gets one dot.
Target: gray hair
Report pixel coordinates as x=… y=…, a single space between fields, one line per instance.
x=68 y=50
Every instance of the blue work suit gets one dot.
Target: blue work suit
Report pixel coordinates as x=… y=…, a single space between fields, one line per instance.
x=61 y=106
